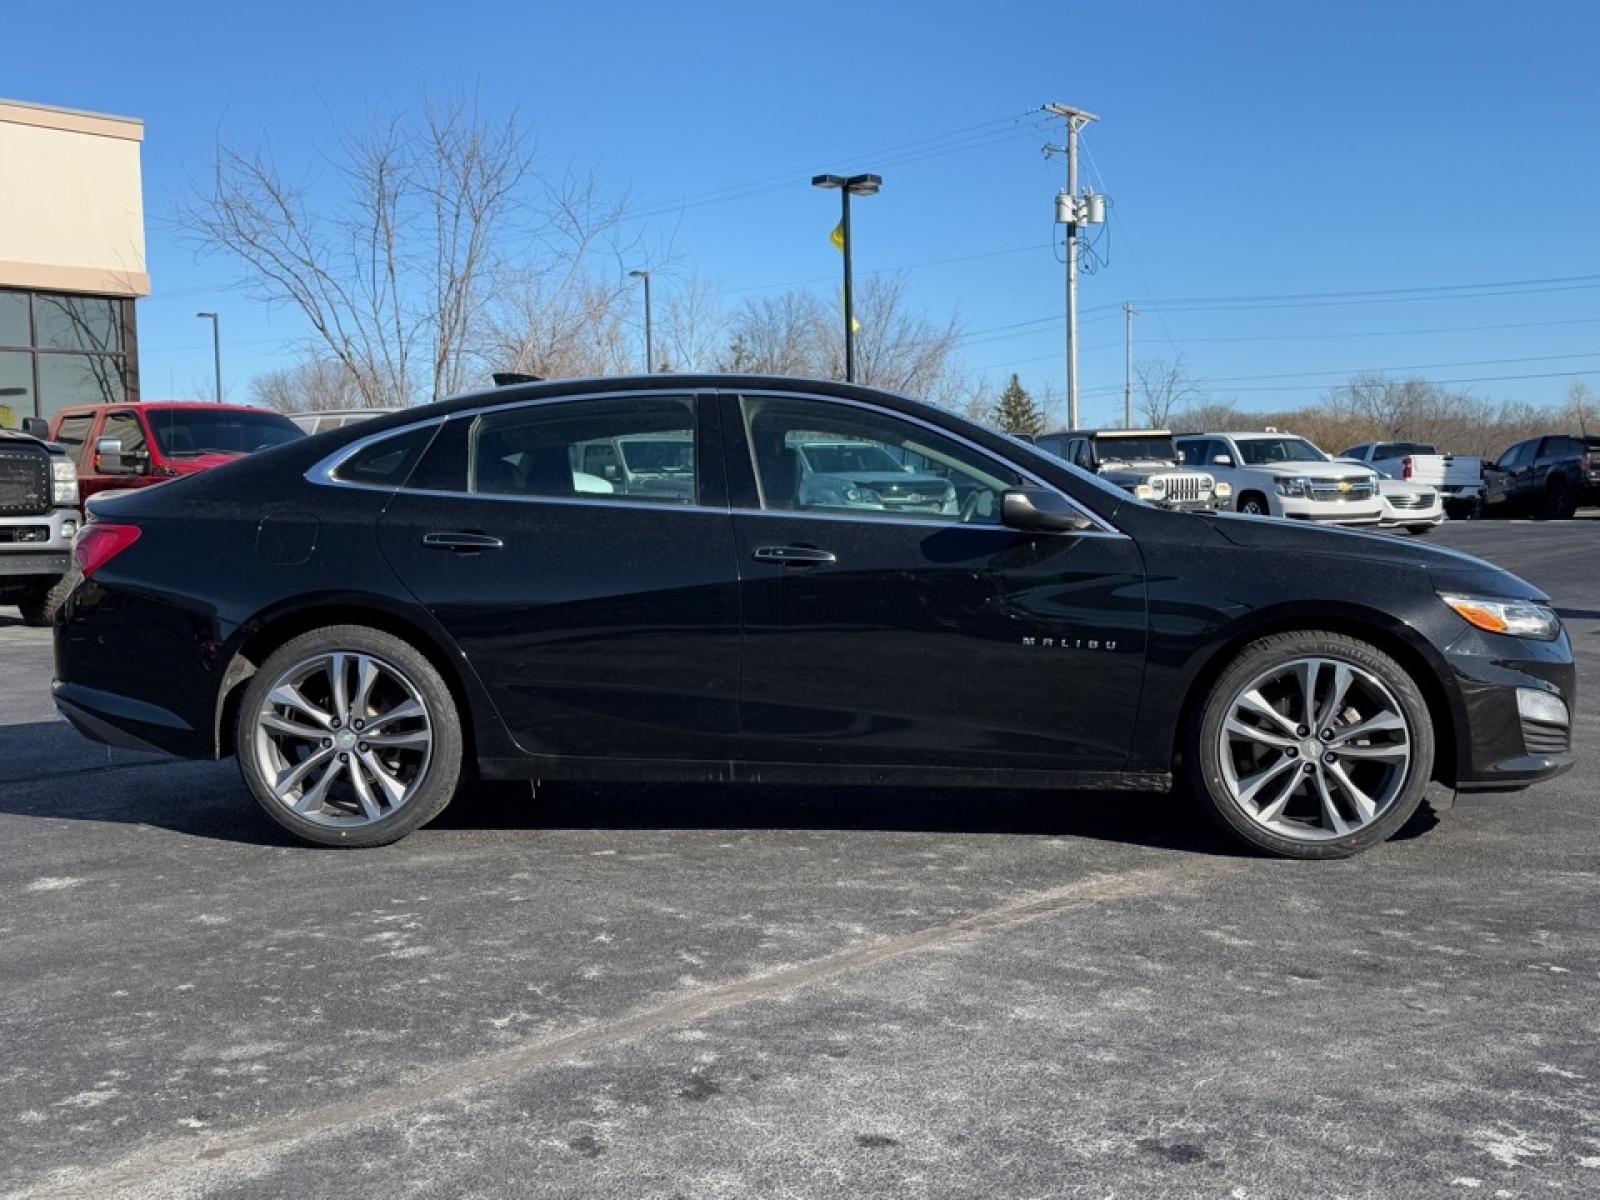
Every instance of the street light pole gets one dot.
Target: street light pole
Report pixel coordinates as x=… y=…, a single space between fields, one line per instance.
x=216 y=346
x=649 y=341
x=860 y=185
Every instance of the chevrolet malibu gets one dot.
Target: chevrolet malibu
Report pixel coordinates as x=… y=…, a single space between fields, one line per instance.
x=372 y=618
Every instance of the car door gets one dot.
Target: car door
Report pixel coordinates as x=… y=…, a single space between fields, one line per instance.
x=1509 y=479
x=881 y=636
x=602 y=621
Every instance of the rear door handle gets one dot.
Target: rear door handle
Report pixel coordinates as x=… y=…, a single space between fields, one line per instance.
x=467 y=543
x=793 y=556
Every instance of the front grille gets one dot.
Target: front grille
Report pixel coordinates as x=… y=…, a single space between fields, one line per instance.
x=1545 y=739
x=1184 y=489
x=24 y=483
x=1341 y=489
x=1412 y=500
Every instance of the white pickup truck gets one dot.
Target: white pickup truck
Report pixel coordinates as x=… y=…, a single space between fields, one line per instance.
x=1457 y=478
x=1280 y=475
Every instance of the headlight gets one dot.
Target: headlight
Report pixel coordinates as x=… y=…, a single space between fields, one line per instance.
x=63 y=480
x=1519 y=618
x=1294 y=487
x=1223 y=490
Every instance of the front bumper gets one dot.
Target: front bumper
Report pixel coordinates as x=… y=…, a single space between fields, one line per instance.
x=1500 y=748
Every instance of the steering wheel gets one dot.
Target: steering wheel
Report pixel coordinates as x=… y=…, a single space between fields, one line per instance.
x=969 y=507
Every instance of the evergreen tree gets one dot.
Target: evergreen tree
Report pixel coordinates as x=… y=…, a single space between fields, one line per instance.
x=1015 y=411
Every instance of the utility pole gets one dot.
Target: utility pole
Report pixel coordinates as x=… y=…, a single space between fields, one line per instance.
x=1127 y=386
x=1068 y=214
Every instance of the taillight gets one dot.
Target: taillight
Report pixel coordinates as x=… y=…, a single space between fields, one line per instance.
x=98 y=544
x=1405 y=468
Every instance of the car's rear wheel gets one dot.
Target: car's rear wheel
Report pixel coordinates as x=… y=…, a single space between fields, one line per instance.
x=1560 y=501
x=348 y=736
x=1312 y=745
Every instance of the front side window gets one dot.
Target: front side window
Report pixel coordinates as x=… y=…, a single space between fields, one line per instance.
x=820 y=457
x=125 y=428
x=631 y=448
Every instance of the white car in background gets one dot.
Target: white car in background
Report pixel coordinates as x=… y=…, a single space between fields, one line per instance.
x=1281 y=475
x=1415 y=507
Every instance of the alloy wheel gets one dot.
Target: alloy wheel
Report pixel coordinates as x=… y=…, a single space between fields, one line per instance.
x=1314 y=749
x=343 y=739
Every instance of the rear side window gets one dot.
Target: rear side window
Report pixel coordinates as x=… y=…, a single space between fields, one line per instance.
x=74 y=429
x=387 y=462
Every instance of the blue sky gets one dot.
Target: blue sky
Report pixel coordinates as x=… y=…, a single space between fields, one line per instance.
x=1302 y=191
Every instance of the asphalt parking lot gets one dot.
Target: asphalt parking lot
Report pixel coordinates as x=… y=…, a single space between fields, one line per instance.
x=763 y=992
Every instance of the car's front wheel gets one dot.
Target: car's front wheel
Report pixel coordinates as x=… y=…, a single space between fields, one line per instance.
x=44 y=600
x=1312 y=745
x=348 y=736
x=1254 y=504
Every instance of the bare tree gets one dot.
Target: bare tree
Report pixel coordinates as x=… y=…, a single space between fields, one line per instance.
x=896 y=348
x=780 y=335
x=1164 y=388
x=316 y=384
x=690 y=327
x=572 y=329
x=399 y=261
x=1582 y=411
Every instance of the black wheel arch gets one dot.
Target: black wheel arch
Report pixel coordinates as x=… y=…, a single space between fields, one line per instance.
x=1377 y=629
x=479 y=720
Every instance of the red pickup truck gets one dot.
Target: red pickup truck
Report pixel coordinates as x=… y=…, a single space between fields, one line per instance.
x=135 y=445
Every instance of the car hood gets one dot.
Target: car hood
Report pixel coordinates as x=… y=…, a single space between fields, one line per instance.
x=1451 y=570
x=1311 y=467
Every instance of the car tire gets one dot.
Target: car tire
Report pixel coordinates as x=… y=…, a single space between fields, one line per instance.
x=1419 y=530
x=1311 y=745
x=1254 y=504
x=1560 y=501
x=40 y=606
x=348 y=736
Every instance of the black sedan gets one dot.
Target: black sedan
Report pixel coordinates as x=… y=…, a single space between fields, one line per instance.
x=371 y=616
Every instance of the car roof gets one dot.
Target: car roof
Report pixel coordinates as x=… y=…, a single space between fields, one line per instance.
x=167 y=406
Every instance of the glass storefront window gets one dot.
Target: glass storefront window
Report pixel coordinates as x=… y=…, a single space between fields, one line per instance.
x=15 y=328
x=16 y=387
x=78 y=322
x=69 y=379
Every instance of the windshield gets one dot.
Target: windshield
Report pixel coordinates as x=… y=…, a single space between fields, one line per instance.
x=1279 y=449
x=843 y=458
x=1127 y=449
x=191 y=432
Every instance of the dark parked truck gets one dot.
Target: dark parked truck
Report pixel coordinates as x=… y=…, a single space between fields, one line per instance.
x=38 y=520
x=1548 y=476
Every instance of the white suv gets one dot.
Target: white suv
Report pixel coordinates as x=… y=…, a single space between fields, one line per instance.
x=1280 y=475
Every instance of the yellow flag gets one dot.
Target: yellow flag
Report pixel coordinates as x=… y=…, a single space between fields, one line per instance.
x=837 y=236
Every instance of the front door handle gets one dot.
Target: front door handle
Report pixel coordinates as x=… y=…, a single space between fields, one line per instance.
x=793 y=556
x=462 y=543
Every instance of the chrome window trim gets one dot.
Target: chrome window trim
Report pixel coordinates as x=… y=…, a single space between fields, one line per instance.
x=322 y=472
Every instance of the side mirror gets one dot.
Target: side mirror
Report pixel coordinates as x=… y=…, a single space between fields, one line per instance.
x=1040 y=508
x=36 y=427
x=111 y=460
x=1222 y=460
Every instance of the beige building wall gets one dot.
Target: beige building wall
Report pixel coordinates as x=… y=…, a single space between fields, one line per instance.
x=71 y=202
